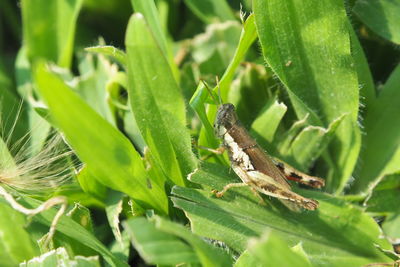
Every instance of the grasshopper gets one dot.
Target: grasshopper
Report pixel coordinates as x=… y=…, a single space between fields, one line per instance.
x=262 y=173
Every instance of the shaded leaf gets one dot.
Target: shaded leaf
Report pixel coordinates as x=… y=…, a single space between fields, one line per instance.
x=385 y=196
x=381 y=16
x=211 y=10
x=381 y=143
x=42 y=23
x=16 y=244
x=310 y=143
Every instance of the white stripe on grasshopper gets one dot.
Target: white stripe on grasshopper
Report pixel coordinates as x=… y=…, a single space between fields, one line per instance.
x=237 y=153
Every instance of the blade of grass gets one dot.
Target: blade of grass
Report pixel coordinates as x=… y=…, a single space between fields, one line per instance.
x=381 y=155
x=149 y=10
x=49 y=29
x=210 y=11
x=208 y=255
x=72 y=229
x=158 y=247
x=336 y=229
x=307 y=45
x=109 y=50
x=269 y=250
x=16 y=244
x=247 y=38
x=109 y=155
x=157 y=103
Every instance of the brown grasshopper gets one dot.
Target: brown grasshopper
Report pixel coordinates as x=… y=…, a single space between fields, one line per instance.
x=255 y=167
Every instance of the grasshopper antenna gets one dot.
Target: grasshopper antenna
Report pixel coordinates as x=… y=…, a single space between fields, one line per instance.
x=210 y=92
x=219 y=90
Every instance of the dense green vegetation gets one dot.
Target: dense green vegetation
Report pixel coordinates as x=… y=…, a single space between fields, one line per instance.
x=104 y=104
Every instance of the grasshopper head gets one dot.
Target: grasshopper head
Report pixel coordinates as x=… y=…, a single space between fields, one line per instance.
x=225 y=119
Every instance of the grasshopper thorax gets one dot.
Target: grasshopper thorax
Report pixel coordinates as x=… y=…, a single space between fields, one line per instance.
x=225 y=119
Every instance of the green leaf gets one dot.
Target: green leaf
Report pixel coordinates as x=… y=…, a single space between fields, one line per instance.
x=15 y=243
x=247 y=38
x=109 y=156
x=337 y=231
x=111 y=51
x=72 y=229
x=271 y=250
x=113 y=210
x=43 y=23
x=81 y=215
x=165 y=242
x=207 y=254
x=266 y=124
x=385 y=196
x=157 y=102
x=13 y=120
x=213 y=50
x=95 y=73
x=365 y=80
x=251 y=92
x=59 y=257
x=149 y=10
x=381 y=143
x=197 y=103
x=158 y=247
x=307 y=45
x=381 y=16
x=310 y=143
x=391 y=226
x=211 y=10
x=90 y=184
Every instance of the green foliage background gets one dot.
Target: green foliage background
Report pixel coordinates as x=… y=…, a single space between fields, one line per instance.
x=317 y=83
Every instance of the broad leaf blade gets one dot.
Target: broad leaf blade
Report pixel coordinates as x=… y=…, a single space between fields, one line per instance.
x=208 y=255
x=151 y=14
x=271 y=250
x=307 y=45
x=336 y=228
x=158 y=247
x=157 y=102
x=109 y=155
